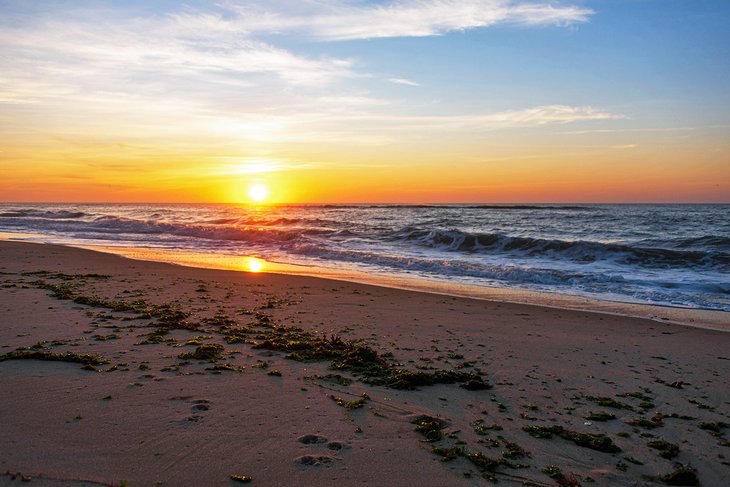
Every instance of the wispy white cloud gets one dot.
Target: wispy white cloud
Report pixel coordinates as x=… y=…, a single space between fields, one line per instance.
x=630 y=130
x=218 y=49
x=369 y=126
x=527 y=117
x=549 y=114
x=343 y=20
x=216 y=74
x=403 y=81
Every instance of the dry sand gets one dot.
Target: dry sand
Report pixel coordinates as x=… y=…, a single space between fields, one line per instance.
x=149 y=417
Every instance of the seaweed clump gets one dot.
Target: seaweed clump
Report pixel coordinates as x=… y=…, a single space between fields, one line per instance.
x=600 y=416
x=449 y=454
x=207 y=351
x=543 y=432
x=666 y=449
x=715 y=429
x=598 y=441
x=354 y=404
x=353 y=356
x=608 y=402
x=565 y=480
x=25 y=354
x=167 y=316
x=430 y=427
x=681 y=475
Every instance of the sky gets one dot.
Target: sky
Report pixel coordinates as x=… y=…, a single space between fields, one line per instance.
x=354 y=101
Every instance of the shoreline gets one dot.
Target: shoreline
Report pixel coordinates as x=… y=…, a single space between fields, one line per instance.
x=699 y=318
x=172 y=375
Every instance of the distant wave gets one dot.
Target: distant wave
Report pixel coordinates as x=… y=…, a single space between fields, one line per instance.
x=713 y=242
x=62 y=214
x=461 y=207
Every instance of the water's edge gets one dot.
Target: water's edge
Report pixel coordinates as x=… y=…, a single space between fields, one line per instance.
x=697 y=318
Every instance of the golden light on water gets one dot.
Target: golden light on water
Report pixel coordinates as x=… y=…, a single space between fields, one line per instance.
x=254 y=264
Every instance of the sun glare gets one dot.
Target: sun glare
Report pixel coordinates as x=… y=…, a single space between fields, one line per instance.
x=254 y=264
x=258 y=193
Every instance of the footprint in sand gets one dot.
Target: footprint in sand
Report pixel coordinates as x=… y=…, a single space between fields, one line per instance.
x=320 y=459
x=198 y=406
x=337 y=446
x=312 y=439
x=314 y=460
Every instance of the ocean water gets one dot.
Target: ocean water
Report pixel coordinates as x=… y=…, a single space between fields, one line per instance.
x=672 y=255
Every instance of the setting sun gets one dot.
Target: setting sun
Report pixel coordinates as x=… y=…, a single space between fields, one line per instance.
x=258 y=193
x=254 y=264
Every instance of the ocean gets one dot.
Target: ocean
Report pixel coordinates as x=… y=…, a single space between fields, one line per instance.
x=670 y=255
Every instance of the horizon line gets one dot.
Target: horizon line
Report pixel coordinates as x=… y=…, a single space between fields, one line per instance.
x=486 y=203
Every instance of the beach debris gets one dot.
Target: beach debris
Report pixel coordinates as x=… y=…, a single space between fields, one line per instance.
x=600 y=416
x=207 y=351
x=598 y=441
x=609 y=402
x=645 y=423
x=514 y=450
x=355 y=404
x=334 y=378
x=701 y=405
x=681 y=475
x=657 y=419
x=218 y=368
x=448 y=454
x=594 y=441
x=475 y=384
x=633 y=460
x=430 y=427
x=666 y=449
x=16 y=475
x=481 y=429
x=27 y=354
x=244 y=479
x=484 y=463
x=543 y=432
x=562 y=479
x=353 y=356
x=715 y=429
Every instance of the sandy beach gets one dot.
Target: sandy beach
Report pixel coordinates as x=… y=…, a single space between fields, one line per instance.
x=124 y=372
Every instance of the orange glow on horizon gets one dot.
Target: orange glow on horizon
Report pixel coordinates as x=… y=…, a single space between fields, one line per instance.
x=375 y=175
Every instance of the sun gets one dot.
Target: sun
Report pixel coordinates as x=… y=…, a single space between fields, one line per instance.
x=254 y=264
x=258 y=193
